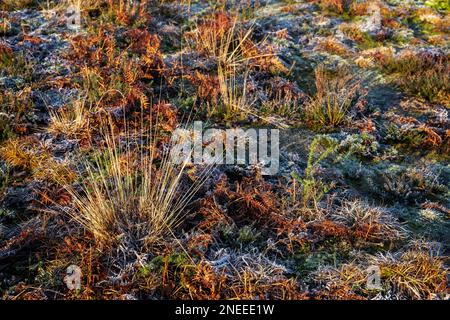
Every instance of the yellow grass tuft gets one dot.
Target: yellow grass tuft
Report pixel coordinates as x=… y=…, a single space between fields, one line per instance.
x=416 y=273
x=38 y=161
x=131 y=198
x=71 y=121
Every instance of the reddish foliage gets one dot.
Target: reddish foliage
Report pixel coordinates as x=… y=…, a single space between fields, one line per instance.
x=368 y=231
x=54 y=195
x=250 y=201
x=203 y=283
x=207 y=86
x=328 y=229
x=5 y=50
x=102 y=51
x=32 y=39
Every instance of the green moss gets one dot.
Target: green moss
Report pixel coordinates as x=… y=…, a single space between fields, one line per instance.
x=368 y=42
x=332 y=252
x=324 y=32
x=176 y=259
x=307 y=263
x=185 y=104
x=440 y=5
x=400 y=39
x=247 y=235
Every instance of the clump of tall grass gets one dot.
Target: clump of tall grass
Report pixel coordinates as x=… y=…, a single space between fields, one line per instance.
x=230 y=46
x=219 y=38
x=233 y=97
x=369 y=222
x=71 y=121
x=132 y=196
x=336 y=93
x=417 y=273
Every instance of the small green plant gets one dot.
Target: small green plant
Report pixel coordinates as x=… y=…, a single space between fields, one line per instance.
x=247 y=235
x=71 y=121
x=5 y=26
x=363 y=39
x=405 y=136
x=248 y=9
x=340 y=7
x=440 y=5
x=360 y=145
x=401 y=184
x=6 y=57
x=14 y=65
x=175 y=258
x=416 y=273
x=91 y=83
x=6 y=131
x=313 y=189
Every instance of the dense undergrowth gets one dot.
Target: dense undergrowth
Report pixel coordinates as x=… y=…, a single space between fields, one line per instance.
x=359 y=90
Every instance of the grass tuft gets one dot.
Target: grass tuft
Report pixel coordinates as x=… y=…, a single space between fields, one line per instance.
x=336 y=94
x=131 y=199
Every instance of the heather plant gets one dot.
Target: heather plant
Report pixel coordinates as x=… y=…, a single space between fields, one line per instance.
x=361 y=145
x=420 y=74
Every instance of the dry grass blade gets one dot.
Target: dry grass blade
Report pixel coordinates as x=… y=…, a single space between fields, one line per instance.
x=233 y=99
x=416 y=273
x=131 y=198
x=72 y=121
